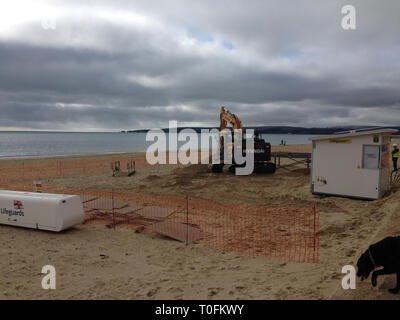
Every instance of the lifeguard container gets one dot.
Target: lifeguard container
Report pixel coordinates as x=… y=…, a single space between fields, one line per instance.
x=45 y=211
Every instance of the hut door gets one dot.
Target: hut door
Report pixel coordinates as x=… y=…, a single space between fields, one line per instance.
x=371 y=157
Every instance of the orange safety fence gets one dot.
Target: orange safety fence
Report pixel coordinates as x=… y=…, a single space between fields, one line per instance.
x=287 y=234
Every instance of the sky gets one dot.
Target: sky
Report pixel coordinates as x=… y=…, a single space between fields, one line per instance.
x=118 y=65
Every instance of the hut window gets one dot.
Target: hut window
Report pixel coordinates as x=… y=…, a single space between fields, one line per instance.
x=371 y=156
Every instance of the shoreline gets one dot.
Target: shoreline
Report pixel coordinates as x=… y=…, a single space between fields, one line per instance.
x=275 y=148
x=65 y=156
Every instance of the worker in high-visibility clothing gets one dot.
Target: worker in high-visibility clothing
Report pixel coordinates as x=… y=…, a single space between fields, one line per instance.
x=395 y=156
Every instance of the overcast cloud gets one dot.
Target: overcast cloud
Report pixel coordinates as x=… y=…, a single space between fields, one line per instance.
x=114 y=65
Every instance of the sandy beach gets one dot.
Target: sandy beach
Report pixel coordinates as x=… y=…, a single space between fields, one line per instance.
x=291 y=111
x=95 y=262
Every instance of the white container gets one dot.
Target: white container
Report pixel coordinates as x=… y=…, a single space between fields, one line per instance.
x=355 y=164
x=45 y=211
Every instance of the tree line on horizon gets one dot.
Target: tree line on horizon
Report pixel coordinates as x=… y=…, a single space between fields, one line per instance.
x=279 y=129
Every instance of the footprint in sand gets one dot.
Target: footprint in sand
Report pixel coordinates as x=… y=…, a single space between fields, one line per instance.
x=213 y=291
x=175 y=290
x=153 y=292
x=240 y=289
x=234 y=267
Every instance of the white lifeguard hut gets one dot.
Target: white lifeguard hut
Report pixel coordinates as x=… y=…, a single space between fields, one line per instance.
x=45 y=211
x=352 y=164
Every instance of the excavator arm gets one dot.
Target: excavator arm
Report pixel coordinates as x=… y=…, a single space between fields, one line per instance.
x=225 y=118
x=228 y=117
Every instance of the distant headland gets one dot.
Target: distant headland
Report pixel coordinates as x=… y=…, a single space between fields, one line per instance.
x=278 y=129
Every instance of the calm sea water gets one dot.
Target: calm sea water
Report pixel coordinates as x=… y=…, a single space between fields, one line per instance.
x=42 y=144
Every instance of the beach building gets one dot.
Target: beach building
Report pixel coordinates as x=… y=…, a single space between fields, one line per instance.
x=353 y=164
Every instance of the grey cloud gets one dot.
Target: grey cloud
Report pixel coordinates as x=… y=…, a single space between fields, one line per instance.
x=290 y=64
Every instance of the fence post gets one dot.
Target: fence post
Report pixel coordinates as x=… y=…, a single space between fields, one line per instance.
x=314 y=234
x=113 y=212
x=187 y=220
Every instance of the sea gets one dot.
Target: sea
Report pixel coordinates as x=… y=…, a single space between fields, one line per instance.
x=27 y=144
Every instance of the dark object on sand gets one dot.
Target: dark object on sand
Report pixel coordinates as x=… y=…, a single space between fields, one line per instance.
x=117 y=172
x=386 y=254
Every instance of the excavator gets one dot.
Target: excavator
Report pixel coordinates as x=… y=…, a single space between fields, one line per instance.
x=262 y=149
